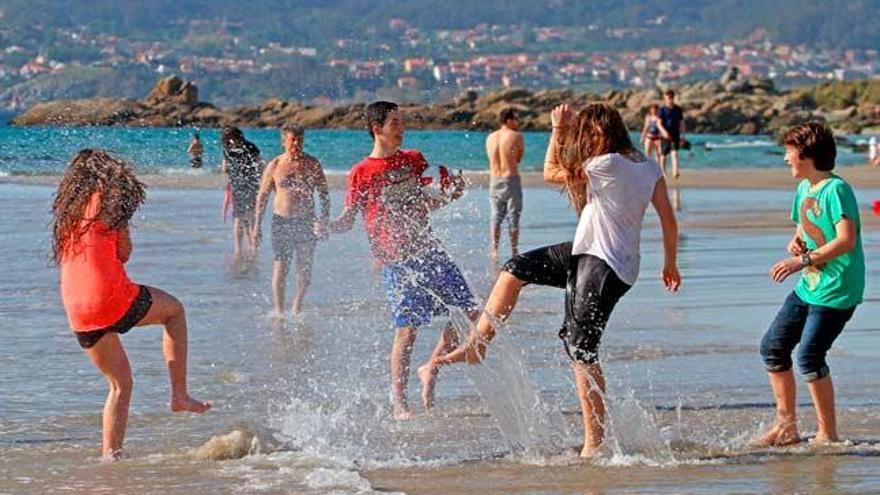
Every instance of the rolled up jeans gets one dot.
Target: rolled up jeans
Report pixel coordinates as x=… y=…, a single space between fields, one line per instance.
x=811 y=327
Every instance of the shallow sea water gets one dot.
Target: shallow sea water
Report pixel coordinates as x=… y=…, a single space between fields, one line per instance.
x=302 y=406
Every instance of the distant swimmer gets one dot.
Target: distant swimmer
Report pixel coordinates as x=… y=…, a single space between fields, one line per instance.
x=244 y=166
x=653 y=132
x=827 y=251
x=610 y=185
x=196 y=151
x=295 y=177
x=390 y=190
x=505 y=148
x=672 y=117
x=91 y=243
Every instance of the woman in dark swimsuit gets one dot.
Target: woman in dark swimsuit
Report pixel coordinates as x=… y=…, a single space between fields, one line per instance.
x=243 y=165
x=653 y=132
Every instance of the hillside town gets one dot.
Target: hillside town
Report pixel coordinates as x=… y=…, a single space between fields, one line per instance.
x=484 y=57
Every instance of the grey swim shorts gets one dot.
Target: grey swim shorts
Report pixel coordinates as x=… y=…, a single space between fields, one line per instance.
x=505 y=196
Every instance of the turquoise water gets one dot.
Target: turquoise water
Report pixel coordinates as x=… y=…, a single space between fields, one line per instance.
x=45 y=150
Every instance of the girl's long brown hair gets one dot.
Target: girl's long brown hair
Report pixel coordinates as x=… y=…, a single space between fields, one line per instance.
x=595 y=130
x=93 y=171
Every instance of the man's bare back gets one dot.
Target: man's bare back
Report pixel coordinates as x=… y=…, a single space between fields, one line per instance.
x=295 y=182
x=505 y=150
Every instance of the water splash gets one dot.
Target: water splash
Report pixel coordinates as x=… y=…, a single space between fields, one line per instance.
x=632 y=433
x=526 y=422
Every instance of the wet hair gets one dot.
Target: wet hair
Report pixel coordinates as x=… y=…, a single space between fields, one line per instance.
x=377 y=113
x=597 y=129
x=231 y=138
x=507 y=114
x=93 y=171
x=670 y=93
x=233 y=143
x=814 y=141
x=293 y=128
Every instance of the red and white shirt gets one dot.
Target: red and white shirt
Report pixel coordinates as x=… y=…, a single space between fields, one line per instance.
x=389 y=193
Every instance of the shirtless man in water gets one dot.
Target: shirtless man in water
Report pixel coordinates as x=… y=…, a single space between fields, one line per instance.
x=505 y=148
x=295 y=177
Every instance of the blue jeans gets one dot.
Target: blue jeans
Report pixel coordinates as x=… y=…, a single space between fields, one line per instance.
x=813 y=327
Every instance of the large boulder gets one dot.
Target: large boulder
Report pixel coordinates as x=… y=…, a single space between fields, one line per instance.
x=507 y=95
x=95 y=111
x=174 y=90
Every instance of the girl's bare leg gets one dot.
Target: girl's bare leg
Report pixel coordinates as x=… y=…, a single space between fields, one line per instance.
x=109 y=357
x=501 y=302
x=166 y=310
x=590 y=384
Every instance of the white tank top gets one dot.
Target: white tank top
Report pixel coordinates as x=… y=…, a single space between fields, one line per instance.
x=618 y=193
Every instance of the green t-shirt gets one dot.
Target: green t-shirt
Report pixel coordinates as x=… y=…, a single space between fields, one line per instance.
x=839 y=283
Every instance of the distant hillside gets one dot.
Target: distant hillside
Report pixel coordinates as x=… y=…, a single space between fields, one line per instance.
x=827 y=23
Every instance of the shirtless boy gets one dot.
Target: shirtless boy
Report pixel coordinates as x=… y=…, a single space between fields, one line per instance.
x=505 y=148
x=295 y=177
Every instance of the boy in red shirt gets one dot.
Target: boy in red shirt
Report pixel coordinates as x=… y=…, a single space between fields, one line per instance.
x=418 y=276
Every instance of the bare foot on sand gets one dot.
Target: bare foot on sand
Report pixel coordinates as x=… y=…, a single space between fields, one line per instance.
x=188 y=404
x=428 y=376
x=779 y=435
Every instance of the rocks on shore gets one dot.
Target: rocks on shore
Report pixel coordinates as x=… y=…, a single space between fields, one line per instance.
x=733 y=104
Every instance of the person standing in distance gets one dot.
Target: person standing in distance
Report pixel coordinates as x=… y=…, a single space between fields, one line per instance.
x=505 y=148
x=672 y=117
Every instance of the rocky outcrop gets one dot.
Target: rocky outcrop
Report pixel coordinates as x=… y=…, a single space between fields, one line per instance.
x=733 y=104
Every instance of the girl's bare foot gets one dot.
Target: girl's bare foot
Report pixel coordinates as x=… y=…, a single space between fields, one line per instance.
x=472 y=352
x=428 y=376
x=780 y=434
x=188 y=404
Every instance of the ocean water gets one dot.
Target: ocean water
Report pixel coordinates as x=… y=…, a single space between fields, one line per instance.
x=46 y=150
x=302 y=406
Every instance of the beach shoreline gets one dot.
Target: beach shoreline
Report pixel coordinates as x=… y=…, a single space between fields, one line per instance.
x=748 y=218
x=860 y=176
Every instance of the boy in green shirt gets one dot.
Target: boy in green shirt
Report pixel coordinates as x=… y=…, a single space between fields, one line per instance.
x=827 y=250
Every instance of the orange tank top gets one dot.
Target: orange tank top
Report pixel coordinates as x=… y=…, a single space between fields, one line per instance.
x=95 y=289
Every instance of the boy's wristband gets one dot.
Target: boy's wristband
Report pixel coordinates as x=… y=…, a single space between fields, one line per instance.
x=806 y=260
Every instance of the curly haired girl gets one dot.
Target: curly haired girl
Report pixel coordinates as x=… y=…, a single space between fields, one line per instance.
x=91 y=243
